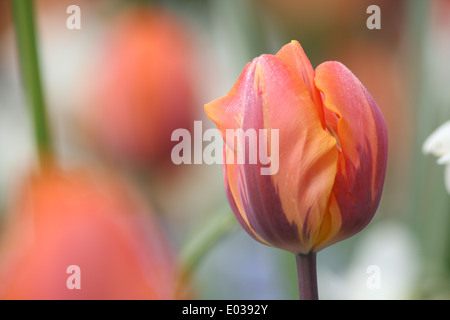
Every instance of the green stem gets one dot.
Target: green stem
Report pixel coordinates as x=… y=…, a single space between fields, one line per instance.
x=23 y=17
x=201 y=244
x=307 y=276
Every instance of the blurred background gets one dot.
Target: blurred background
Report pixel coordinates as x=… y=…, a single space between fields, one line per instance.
x=114 y=203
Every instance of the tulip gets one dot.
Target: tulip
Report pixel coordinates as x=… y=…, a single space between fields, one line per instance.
x=144 y=87
x=332 y=152
x=73 y=235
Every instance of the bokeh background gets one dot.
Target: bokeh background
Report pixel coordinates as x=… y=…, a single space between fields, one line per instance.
x=136 y=70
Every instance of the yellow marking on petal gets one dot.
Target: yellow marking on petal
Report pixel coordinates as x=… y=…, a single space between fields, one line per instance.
x=234 y=189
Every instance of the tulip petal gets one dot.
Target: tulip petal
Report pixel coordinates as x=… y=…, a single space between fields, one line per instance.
x=308 y=153
x=362 y=135
x=235 y=202
x=295 y=57
x=253 y=196
x=227 y=112
x=270 y=94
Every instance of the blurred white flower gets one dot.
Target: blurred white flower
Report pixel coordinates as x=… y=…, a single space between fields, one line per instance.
x=438 y=144
x=385 y=265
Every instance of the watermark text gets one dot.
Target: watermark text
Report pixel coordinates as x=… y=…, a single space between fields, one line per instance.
x=242 y=147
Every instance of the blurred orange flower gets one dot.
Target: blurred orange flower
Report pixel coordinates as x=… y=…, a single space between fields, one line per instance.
x=142 y=89
x=332 y=151
x=97 y=224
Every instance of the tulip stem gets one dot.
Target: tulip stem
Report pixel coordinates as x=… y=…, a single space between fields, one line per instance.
x=197 y=247
x=307 y=276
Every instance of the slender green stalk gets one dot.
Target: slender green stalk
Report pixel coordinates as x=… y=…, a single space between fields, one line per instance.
x=307 y=276
x=23 y=17
x=200 y=245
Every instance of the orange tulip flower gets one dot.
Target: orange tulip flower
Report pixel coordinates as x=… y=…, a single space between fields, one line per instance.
x=332 y=151
x=76 y=236
x=144 y=87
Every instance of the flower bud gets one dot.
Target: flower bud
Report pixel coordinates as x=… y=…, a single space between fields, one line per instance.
x=332 y=147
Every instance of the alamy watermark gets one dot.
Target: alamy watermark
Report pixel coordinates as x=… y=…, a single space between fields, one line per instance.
x=374 y=20
x=373 y=281
x=243 y=147
x=73 y=22
x=74 y=280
